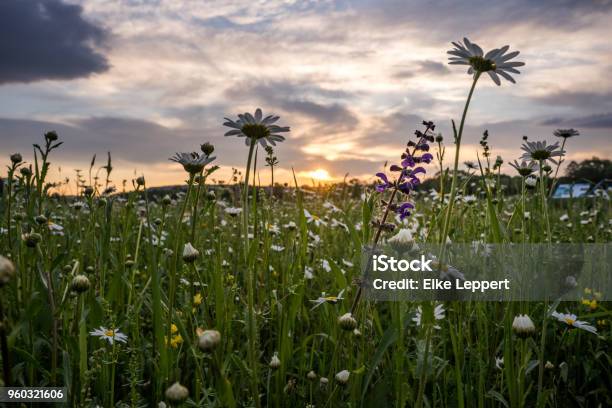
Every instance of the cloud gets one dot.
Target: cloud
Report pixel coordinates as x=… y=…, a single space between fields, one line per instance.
x=48 y=39
x=299 y=98
x=597 y=121
x=577 y=99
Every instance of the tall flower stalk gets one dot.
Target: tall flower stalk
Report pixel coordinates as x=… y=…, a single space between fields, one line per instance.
x=407 y=179
x=495 y=63
x=255 y=129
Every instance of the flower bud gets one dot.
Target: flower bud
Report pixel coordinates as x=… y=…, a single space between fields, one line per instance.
x=88 y=191
x=16 y=158
x=275 y=362
x=323 y=382
x=347 y=322
x=140 y=181
x=25 y=171
x=190 y=254
x=311 y=375
x=342 y=377
x=523 y=326
x=177 y=392
x=40 y=219
x=129 y=263
x=207 y=148
x=31 y=239
x=7 y=270
x=208 y=340
x=80 y=284
x=402 y=241
x=549 y=365
x=166 y=200
x=51 y=136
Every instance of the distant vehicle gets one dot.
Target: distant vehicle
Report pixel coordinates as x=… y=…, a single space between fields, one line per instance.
x=583 y=189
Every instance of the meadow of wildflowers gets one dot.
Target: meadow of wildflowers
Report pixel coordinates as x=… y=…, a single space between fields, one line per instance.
x=247 y=295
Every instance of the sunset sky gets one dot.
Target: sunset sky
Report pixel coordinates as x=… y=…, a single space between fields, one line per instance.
x=353 y=79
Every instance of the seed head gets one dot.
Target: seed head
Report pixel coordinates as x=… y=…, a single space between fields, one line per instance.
x=275 y=362
x=208 y=340
x=523 y=326
x=177 y=392
x=342 y=377
x=140 y=181
x=190 y=254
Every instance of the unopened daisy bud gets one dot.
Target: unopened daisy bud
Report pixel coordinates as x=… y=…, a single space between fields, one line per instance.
x=90 y=269
x=177 y=392
x=166 y=200
x=16 y=158
x=275 y=362
x=347 y=322
x=25 y=171
x=402 y=241
x=140 y=181
x=549 y=365
x=208 y=340
x=40 y=219
x=32 y=239
x=190 y=254
x=439 y=138
x=342 y=377
x=88 y=191
x=18 y=216
x=207 y=148
x=357 y=333
x=523 y=326
x=323 y=382
x=7 y=270
x=311 y=375
x=80 y=284
x=51 y=136
x=129 y=263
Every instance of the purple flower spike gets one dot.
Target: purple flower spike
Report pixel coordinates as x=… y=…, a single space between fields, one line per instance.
x=427 y=158
x=404 y=210
x=385 y=182
x=408 y=162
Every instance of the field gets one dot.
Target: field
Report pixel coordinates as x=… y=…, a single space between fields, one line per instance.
x=239 y=294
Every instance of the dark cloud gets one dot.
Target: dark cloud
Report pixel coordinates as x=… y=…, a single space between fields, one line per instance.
x=597 y=121
x=452 y=17
x=48 y=39
x=577 y=99
x=298 y=98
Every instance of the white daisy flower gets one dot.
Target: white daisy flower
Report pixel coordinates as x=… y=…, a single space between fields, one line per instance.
x=325 y=265
x=438 y=315
x=277 y=248
x=313 y=218
x=572 y=320
x=193 y=163
x=496 y=62
x=233 y=211
x=541 y=151
x=111 y=335
x=256 y=128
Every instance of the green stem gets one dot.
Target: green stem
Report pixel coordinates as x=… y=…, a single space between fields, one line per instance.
x=544 y=202
x=554 y=180
x=459 y=135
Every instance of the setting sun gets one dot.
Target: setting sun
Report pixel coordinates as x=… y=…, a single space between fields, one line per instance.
x=319 y=174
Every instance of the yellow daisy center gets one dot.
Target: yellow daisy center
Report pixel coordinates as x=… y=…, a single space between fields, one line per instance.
x=109 y=333
x=570 y=321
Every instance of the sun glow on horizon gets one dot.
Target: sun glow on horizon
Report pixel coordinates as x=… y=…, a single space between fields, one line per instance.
x=319 y=175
